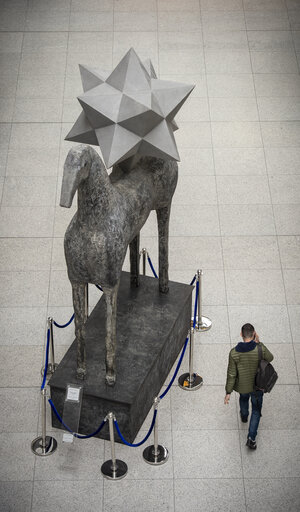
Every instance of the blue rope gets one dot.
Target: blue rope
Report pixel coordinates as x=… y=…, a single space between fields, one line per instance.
x=99 y=287
x=65 y=325
x=134 y=445
x=79 y=436
x=46 y=360
x=176 y=371
x=151 y=266
x=196 y=303
x=193 y=280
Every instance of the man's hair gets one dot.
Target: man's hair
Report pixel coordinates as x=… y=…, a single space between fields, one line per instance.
x=247 y=331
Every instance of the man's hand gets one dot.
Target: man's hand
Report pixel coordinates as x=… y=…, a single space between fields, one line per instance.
x=226 y=399
x=256 y=337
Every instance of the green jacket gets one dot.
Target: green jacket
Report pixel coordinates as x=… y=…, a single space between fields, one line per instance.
x=242 y=366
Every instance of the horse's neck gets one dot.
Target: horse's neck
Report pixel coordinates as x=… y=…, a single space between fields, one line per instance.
x=95 y=192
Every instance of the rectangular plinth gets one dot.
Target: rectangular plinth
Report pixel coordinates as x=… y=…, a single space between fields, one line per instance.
x=151 y=330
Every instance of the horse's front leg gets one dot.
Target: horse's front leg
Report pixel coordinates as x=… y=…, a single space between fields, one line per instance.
x=79 y=303
x=111 y=295
x=163 y=216
x=134 y=249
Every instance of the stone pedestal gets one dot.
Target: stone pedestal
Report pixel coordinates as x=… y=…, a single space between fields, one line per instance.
x=151 y=330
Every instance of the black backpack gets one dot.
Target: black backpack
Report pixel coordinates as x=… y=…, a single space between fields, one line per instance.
x=266 y=376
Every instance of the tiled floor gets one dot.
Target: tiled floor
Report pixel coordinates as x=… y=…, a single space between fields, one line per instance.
x=236 y=214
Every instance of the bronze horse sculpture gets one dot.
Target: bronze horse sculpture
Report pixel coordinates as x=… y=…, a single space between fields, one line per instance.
x=111 y=211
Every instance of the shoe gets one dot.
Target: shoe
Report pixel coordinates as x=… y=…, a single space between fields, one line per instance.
x=251 y=444
x=244 y=418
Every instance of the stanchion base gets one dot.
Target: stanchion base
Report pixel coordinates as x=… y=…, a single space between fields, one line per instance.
x=205 y=324
x=107 y=470
x=150 y=457
x=50 y=369
x=37 y=446
x=184 y=382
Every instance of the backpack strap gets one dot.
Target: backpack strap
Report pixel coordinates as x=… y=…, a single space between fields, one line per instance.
x=260 y=352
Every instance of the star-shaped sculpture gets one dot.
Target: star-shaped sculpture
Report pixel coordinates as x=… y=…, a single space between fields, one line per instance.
x=130 y=113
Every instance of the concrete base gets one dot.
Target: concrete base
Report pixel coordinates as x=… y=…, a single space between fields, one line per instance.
x=151 y=330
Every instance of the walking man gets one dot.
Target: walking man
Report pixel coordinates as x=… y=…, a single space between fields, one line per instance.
x=242 y=366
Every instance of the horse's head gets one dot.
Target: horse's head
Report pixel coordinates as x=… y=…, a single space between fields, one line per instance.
x=76 y=169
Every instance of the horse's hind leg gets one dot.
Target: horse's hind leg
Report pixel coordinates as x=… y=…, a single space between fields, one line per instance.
x=163 y=216
x=79 y=302
x=134 y=249
x=111 y=295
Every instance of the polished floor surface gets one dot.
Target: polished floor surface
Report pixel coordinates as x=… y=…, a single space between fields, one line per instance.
x=236 y=215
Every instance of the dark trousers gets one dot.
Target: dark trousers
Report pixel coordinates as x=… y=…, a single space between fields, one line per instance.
x=256 y=402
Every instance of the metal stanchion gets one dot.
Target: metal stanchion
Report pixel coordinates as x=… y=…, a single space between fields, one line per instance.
x=190 y=381
x=202 y=322
x=113 y=469
x=44 y=445
x=86 y=301
x=156 y=454
x=144 y=255
x=52 y=365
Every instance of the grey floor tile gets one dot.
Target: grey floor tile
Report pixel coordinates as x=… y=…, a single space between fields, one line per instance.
x=91 y=42
x=25 y=254
x=37 y=110
x=273 y=494
x=203 y=410
x=285 y=189
x=210 y=361
x=28 y=135
x=277 y=455
x=194 y=135
x=63 y=217
x=239 y=161
x=195 y=190
x=24 y=361
x=230 y=86
x=10 y=62
x=277 y=86
x=271 y=109
x=134 y=492
x=194 y=110
x=215 y=5
x=204 y=252
x=270 y=322
x=284 y=362
x=292 y=285
x=221 y=20
x=235 y=220
x=22 y=326
x=297 y=356
x=180 y=41
x=233 y=109
x=92 y=5
x=197 y=79
x=296 y=38
x=54 y=21
x=236 y=134
x=16 y=496
x=210 y=495
x=43 y=63
x=29 y=191
x=8 y=85
x=60 y=293
x=141 y=21
x=235 y=190
x=213 y=285
x=250 y=253
x=188 y=61
x=289 y=247
x=196 y=162
x=225 y=40
x=11 y=42
x=270 y=40
x=36 y=42
x=264 y=5
x=39 y=87
x=283 y=160
x=12 y=20
x=179 y=21
x=6 y=109
x=294 y=18
x=176 y=5
x=285 y=133
x=205 y=221
x=294 y=315
x=26 y=221
x=266 y=287
x=32 y=162
x=219 y=332
x=77 y=495
x=274 y=62
x=19 y=409
x=202 y=452
x=227 y=61
x=34 y=286
x=287 y=219
x=80 y=460
x=267 y=20
x=43 y=5
x=17 y=463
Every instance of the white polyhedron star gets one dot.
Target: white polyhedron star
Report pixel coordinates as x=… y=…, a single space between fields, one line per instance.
x=131 y=112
